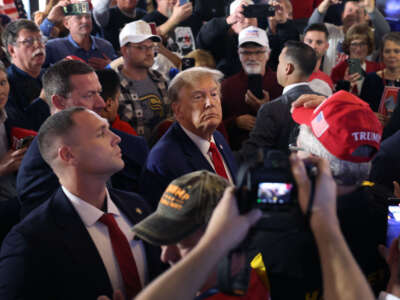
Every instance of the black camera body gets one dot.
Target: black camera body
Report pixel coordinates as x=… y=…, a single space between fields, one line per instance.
x=268 y=183
x=258 y=11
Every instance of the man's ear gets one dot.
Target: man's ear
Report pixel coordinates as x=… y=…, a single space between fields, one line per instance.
x=176 y=109
x=65 y=154
x=109 y=104
x=289 y=69
x=58 y=102
x=65 y=22
x=124 y=51
x=11 y=50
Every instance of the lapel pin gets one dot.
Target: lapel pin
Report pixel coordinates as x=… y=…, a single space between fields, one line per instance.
x=138 y=210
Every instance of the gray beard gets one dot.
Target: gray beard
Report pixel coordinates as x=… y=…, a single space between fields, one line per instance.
x=254 y=69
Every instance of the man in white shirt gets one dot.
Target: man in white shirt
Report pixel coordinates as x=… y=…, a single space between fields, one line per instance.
x=78 y=244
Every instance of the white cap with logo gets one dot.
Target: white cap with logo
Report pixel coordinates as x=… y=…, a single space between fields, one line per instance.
x=136 y=32
x=253 y=34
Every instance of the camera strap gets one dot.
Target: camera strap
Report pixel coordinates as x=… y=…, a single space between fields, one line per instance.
x=233 y=285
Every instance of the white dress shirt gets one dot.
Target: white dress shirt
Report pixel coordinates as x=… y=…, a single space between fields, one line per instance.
x=204 y=147
x=291 y=86
x=90 y=216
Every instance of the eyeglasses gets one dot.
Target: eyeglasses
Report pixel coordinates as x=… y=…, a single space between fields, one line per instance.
x=248 y=53
x=30 y=41
x=358 y=45
x=144 y=48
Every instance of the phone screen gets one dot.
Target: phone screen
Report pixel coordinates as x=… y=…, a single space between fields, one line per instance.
x=182 y=2
x=393 y=228
x=274 y=193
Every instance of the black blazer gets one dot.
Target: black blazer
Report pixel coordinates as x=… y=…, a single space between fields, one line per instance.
x=274 y=127
x=50 y=254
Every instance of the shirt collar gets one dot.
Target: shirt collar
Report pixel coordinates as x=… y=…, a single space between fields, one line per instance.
x=202 y=144
x=291 y=86
x=88 y=213
x=93 y=45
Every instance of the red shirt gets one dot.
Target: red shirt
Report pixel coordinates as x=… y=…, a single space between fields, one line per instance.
x=123 y=126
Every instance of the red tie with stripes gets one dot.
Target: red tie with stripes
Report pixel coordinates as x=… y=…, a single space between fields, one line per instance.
x=124 y=256
x=217 y=161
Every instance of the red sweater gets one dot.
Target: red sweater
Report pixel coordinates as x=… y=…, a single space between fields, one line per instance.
x=339 y=70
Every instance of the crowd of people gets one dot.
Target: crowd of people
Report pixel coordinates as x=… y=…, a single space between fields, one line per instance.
x=124 y=127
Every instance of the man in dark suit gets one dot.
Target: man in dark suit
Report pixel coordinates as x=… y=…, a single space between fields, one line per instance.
x=275 y=128
x=189 y=145
x=67 y=84
x=70 y=247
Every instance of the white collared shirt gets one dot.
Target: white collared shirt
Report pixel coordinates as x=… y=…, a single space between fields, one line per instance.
x=90 y=216
x=204 y=147
x=290 y=86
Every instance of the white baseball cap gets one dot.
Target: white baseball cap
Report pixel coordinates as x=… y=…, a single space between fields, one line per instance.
x=253 y=34
x=136 y=32
x=236 y=3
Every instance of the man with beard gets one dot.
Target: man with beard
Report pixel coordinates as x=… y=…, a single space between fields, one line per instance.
x=239 y=104
x=354 y=12
x=143 y=101
x=25 y=46
x=97 y=52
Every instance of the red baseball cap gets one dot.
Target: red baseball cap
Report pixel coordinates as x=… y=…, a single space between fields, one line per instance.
x=343 y=123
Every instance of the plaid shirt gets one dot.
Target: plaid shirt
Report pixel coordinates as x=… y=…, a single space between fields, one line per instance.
x=130 y=109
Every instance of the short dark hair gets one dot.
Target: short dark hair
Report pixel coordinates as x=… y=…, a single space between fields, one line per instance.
x=302 y=55
x=391 y=36
x=10 y=33
x=57 y=125
x=110 y=83
x=56 y=80
x=317 y=27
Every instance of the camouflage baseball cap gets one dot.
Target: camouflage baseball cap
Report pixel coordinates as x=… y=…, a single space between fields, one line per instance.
x=185 y=206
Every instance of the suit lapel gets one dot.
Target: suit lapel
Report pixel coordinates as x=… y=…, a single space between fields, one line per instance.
x=193 y=155
x=79 y=243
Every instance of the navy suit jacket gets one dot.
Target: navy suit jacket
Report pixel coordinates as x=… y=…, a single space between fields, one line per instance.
x=50 y=254
x=36 y=181
x=174 y=155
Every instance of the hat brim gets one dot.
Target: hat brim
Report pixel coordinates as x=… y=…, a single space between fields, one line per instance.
x=141 y=38
x=159 y=230
x=302 y=115
x=252 y=41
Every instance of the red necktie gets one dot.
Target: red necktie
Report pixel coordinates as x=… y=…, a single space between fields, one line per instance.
x=217 y=161
x=124 y=255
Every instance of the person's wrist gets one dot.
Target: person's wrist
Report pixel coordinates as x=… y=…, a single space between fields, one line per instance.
x=322 y=223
